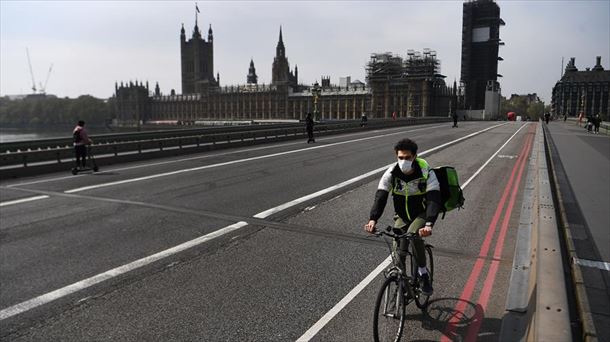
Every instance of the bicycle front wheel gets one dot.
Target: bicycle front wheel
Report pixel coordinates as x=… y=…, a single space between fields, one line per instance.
x=389 y=318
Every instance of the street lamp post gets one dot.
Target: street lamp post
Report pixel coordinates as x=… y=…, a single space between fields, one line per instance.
x=315 y=91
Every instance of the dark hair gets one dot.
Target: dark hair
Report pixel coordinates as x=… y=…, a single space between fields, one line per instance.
x=406 y=145
x=81 y=123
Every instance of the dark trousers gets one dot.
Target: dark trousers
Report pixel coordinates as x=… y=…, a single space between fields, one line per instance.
x=310 y=135
x=81 y=155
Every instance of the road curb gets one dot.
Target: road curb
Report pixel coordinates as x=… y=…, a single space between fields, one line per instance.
x=521 y=291
x=589 y=333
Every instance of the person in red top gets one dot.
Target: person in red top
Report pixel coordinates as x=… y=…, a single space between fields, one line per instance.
x=81 y=140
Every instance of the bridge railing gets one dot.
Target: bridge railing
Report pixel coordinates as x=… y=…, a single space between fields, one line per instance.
x=47 y=155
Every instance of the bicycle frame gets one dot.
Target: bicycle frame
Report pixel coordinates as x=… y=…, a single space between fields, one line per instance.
x=406 y=279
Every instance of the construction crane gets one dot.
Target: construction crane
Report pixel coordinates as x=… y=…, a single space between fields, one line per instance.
x=27 y=51
x=43 y=89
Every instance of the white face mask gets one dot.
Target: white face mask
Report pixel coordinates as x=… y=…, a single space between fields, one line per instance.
x=405 y=165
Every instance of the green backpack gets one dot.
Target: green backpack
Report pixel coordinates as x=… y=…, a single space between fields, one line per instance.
x=451 y=193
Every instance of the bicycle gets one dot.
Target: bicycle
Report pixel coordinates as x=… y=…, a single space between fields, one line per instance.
x=399 y=289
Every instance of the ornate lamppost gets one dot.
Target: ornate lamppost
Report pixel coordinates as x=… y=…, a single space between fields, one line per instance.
x=315 y=91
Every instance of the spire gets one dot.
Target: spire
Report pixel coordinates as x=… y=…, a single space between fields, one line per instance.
x=252 y=78
x=280 y=50
x=210 y=35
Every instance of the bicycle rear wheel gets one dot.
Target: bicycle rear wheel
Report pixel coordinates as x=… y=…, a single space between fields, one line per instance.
x=389 y=319
x=422 y=300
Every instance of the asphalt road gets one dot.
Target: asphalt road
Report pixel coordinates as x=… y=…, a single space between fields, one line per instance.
x=271 y=279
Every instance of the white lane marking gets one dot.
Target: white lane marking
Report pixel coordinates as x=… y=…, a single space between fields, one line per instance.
x=602 y=265
x=23 y=200
x=48 y=297
x=64 y=291
x=286 y=205
x=311 y=332
x=491 y=158
x=212 y=155
x=171 y=173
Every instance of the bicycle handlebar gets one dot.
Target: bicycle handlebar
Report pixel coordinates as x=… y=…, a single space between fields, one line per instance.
x=407 y=235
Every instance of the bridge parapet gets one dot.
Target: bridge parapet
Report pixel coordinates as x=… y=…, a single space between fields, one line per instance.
x=49 y=155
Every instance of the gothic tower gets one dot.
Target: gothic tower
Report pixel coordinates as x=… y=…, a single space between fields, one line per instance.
x=252 y=78
x=281 y=74
x=197 y=61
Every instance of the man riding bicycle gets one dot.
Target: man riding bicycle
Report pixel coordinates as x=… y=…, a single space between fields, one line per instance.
x=417 y=202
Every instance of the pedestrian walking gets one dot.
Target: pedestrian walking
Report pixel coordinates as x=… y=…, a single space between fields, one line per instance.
x=393 y=115
x=363 y=120
x=597 y=121
x=309 y=128
x=565 y=117
x=455 y=119
x=547 y=116
x=580 y=116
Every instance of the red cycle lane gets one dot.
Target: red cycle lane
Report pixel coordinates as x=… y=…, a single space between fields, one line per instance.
x=512 y=184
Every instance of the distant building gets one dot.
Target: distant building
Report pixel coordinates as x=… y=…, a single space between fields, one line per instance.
x=529 y=98
x=586 y=91
x=480 y=46
x=197 y=61
x=414 y=87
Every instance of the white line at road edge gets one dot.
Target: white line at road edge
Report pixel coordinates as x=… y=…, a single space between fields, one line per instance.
x=23 y=200
x=311 y=332
x=64 y=291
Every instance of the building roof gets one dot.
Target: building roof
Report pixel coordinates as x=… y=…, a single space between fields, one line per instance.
x=586 y=76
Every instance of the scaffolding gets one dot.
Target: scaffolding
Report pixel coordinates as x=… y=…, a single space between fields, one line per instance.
x=406 y=87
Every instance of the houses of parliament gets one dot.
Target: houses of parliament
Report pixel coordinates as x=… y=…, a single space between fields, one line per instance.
x=405 y=87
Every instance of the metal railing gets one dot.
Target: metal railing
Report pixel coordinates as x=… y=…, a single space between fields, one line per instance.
x=18 y=157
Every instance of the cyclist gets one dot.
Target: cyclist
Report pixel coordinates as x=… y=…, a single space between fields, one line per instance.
x=417 y=202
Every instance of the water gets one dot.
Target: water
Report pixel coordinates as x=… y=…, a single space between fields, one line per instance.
x=23 y=134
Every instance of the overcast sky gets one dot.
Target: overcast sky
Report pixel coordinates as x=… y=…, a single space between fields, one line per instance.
x=93 y=44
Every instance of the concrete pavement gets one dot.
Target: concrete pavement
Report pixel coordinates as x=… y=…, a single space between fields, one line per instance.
x=582 y=166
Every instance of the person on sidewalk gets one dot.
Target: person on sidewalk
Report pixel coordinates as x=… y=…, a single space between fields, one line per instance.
x=455 y=120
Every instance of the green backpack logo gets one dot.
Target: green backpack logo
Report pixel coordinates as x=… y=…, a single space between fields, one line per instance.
x=451 y=193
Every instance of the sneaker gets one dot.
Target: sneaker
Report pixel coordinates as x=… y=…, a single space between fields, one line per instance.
x=426 y=287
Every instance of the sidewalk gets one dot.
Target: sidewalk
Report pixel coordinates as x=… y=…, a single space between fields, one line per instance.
x=582 y=166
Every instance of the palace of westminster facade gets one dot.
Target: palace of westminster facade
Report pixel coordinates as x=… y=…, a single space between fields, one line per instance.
x=409 y=87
